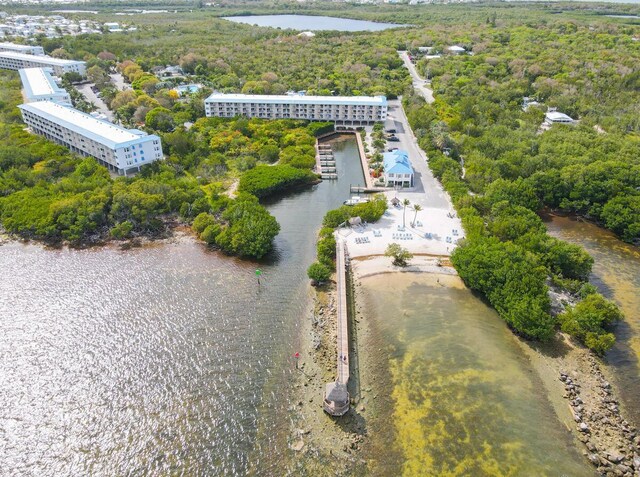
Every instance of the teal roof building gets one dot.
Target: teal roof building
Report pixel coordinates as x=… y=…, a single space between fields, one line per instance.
x=398 y=171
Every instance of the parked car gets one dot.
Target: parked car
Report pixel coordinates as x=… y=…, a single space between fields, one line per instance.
x=391 y=149
x=393 y=139
x=393 y=131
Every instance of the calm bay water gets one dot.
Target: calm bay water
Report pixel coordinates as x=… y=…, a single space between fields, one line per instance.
x=311 y=22
x=463 y=399
x=156 y=361
x=616 y=273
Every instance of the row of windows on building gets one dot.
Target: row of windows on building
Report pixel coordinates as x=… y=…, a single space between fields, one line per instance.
x=12 y=63
x=49 y=128
x=371 y=109
x=399 y=176
x=231 y=114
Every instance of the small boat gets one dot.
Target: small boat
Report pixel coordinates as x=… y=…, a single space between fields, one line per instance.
x=355 y=200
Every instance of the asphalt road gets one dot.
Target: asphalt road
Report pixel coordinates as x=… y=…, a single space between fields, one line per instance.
x=118 y=81
x=88 y=93
x=428 y=190
x=419 y=84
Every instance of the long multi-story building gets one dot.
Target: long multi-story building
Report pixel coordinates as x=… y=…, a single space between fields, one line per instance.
x=119 y=149
x=39 y=85
x=343 y=110
x=26 y=49
x=15 y=61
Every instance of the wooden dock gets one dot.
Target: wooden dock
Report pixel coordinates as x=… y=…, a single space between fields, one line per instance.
x=325 y=161
x=336 y=397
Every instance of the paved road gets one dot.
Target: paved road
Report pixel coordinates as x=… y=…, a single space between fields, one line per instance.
x=419 y=84
x=428 y=191
x=118 y=80
x=88 y=93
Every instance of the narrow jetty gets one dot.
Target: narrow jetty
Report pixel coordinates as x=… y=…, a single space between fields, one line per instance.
x=336 y=396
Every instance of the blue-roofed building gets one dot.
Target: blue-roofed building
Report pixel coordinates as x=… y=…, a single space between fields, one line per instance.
x=120 y=150
x=398 y=171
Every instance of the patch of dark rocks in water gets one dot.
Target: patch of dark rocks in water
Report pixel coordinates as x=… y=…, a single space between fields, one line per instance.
x=613 y=444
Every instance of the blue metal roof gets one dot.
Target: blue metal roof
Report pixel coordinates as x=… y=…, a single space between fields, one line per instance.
x=397 y=162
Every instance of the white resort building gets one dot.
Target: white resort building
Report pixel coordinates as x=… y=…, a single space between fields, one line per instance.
x=26 y=49
x=15 y=61
x=39 y=85
x=343 y=110
x=120 y=150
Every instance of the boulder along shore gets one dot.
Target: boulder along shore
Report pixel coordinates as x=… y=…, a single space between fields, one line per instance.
x=580 y=389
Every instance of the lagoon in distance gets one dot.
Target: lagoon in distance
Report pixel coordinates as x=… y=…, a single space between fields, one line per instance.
x=312 y=23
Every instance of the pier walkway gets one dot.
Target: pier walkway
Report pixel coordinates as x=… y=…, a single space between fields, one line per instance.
x=336 y=396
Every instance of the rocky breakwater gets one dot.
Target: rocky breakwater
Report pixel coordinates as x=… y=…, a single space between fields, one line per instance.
x=612 y=443
x=321 y=444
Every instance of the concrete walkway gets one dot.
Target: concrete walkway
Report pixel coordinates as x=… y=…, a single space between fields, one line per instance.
x=343 y=333
x=419 y=84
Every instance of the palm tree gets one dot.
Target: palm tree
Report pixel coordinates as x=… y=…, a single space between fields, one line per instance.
x=417 y=208
x=405 y=203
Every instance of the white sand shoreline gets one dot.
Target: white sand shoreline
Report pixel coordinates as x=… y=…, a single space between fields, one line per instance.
x=363 y=267
x=431 y=231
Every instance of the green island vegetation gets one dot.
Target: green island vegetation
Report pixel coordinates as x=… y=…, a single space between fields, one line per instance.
x=265 y=180
x=501 y=169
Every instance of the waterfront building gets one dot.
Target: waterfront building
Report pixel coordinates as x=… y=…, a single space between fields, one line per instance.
x=398 y=171
x=343 y=110
x=15 y=61
x=120 y=150
x=26 y=49
x=39 y=85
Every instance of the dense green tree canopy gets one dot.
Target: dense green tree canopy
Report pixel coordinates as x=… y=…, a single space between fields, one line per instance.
x=250 y=229
x=265 y=180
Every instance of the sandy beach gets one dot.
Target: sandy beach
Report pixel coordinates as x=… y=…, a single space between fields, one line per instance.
x=433 y=231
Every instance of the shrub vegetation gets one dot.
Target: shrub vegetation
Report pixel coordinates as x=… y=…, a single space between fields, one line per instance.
x=266 y=180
